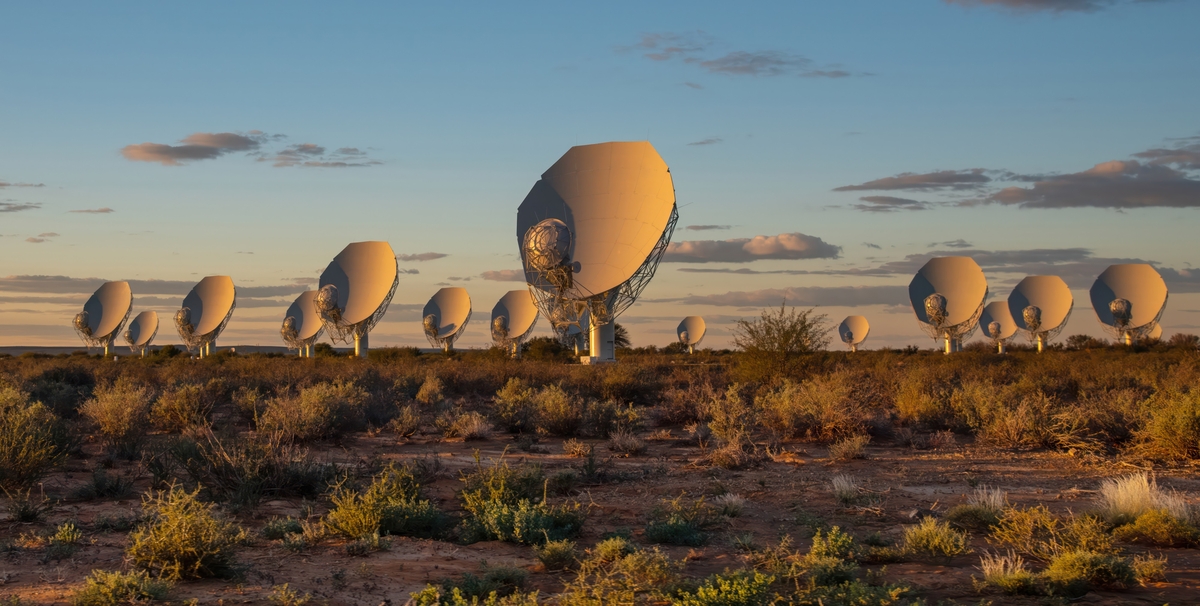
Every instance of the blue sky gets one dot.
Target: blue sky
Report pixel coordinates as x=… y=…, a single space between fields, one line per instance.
x=452 y=112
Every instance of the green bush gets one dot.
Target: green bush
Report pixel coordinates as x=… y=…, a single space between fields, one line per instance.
x=514 y=407
x=431 y=391
x=557 y=555
x=1074 y=573
x=433 y=596
x=103 y=588
x=1158 y=528
x=616 y=572
x=731 y=588
x=1173 y=430
x=121 y=412
x=819 y=409
x=509 y=505
x=931 y=538
x=30 y=440
x=557 y=412
x=1008 y=573
x=675 y=522
x=184 y=538
x=279 y=528
x=325 y=410
x=182 y=407
x=391 y=505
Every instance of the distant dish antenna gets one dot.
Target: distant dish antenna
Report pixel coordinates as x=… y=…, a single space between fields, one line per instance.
x=205 y=312
x=445 y=316
x=853 y=331
x=1129 y=300
x=355 y=290
x=1040 y=306
x=947 y=296
x=104 y=314
x=592 y=232
x=302 y=324
x=691 y=332
x=513 y=319
x=141 y=332
x=998 y=324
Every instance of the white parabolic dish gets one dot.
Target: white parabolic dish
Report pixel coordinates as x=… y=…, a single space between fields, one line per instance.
x=959 y=279
x=303 y=312
x=1049 y=294
x=107 y=309
x=853 y=330
x=452 y=308
x=365 y=275
x=615 y=198
x=691 y=330
x=997 y=311
x=519 y=313
x=1137 y=283
x=142 y=329
x=211 y=302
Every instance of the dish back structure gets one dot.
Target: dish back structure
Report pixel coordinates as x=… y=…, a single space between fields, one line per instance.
x=513 y=319
x=853 y=331
x=592 y=231
x=205 y=313
x=998 y=324
x=691 y=331
x=141 y=332
x=1040 y=307
x=445 y=316
x=103 y=315
x=947 y=296
x=355 y=290
x=302 y=325
x=1129 y=300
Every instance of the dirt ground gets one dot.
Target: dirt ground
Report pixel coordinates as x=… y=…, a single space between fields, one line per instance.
x=785 y=495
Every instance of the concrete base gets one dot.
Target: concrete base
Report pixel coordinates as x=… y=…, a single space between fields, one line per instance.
x=592 y=360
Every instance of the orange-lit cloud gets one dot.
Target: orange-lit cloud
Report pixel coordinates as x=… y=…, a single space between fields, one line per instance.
x=745 y=250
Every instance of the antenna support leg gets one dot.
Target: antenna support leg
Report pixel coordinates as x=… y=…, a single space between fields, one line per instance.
x=360 y=346
x=600 y=342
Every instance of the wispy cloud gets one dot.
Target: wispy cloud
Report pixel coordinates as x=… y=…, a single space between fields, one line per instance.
x=207 y=146
x=708 y=141
x=697 y=48
x=94 y=211
x=872 y=245
x=938 y=180
x=1054 y=6
x=706 y=227
x=16 y=207
x=4 y=184
x=413 y=271
x=504 y=275
x=959 y=243
x=418 y=257
x=745 y=250
x=313 y=156
x=888 y=204
x=1117 y=184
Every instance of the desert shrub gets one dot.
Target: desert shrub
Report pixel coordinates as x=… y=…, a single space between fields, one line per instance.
x=62 y=388
x=1008 y=573
x=503 y=504
x=845 y=490
x=390 y=505
x=770 y=342
x=557 y=555
x=1036 y=532
x=982 y=510
x=104 y=485
x=26 y=507
x=1074 y=573
x=284 y=595
x=850 y=448
x=182 y=407
x=676 y=522
x=31 y=443
x=557 y=412
x=1125 y=499
x=407 y=421
x=184 y=537
x=576 y=448
x=931 y=538
x=736 y=588
x=856 y=593
x=64 y=542
x=434 y=596
x=514 y=407
x=626 y=443
x=1158 y=528
x=432 y=391
x=1149 y=568
x=325 y=410
x=1172 y=431
x=683 y=405
x=819 y=409
x=499 y=581
x=923 y=397
x=121 y=412
x=278 y=528
x=104 y=588
x=729 y=505
x=617 y=572
x=250 y=403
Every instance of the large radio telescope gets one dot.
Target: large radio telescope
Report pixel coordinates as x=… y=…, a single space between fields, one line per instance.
x=998 y=324
x=1040 y=307
x=853 y=331
x=513 y=319
x=104 y=314
x=355 y=290
x=302 y=324
x=1129 y=300
x=947 y=295
x=142 y=331
x=691 y=331
x=445 y=316
x=205 y=312
x=591 y=234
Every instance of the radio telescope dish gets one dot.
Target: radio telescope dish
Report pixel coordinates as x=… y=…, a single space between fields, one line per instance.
x=1155 y=333
x=691 y=331
x=1129 y=300
x=205 y=312
x=142 y=331
x=592 y=232
x=1040 y=307
x=513 y=319
x=355 y=291
x=947 y=295
x=998 y=324
x=104 y=314
x=302 y=324
x=853 y=331
x=445 y=316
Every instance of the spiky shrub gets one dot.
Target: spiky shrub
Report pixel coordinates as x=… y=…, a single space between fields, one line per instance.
x=557 y=555
x=731 y=588
x=677 y=522
x=182 y=407
x=626 y=442
x=1036 y=532
x=431 y=391
x=617 y=572
x=1074 y=573
x=325 y=410
x=770 y=342
x=1123 y=500
x=121 y=413
x=433 y=595
x=1008 y=573
x=983 y=509
x=830 y=560
x=390 y=505
x=1173 y=430
x=514 y=407
x=1158 y=528
x=819 y=409
x=105 y=588
x=850 y=448
x=845 y=489
x=184 y=537
x=931 y=538
x=510 y=505
x=30 y=440
x=557 y=412
x=730 y=505
x=407 y=421
x=469 y=426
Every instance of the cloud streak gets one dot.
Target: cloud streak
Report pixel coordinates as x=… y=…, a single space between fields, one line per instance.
x=1053 y=6
x=4 y=184
x=94 y=211
x=745 y=250
x=888 y=204
x=419 y=257
x=938 y=180
x=706 y=227
x=197 y=146
x=16 y=207
x=504 y=275
x=695 y=48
